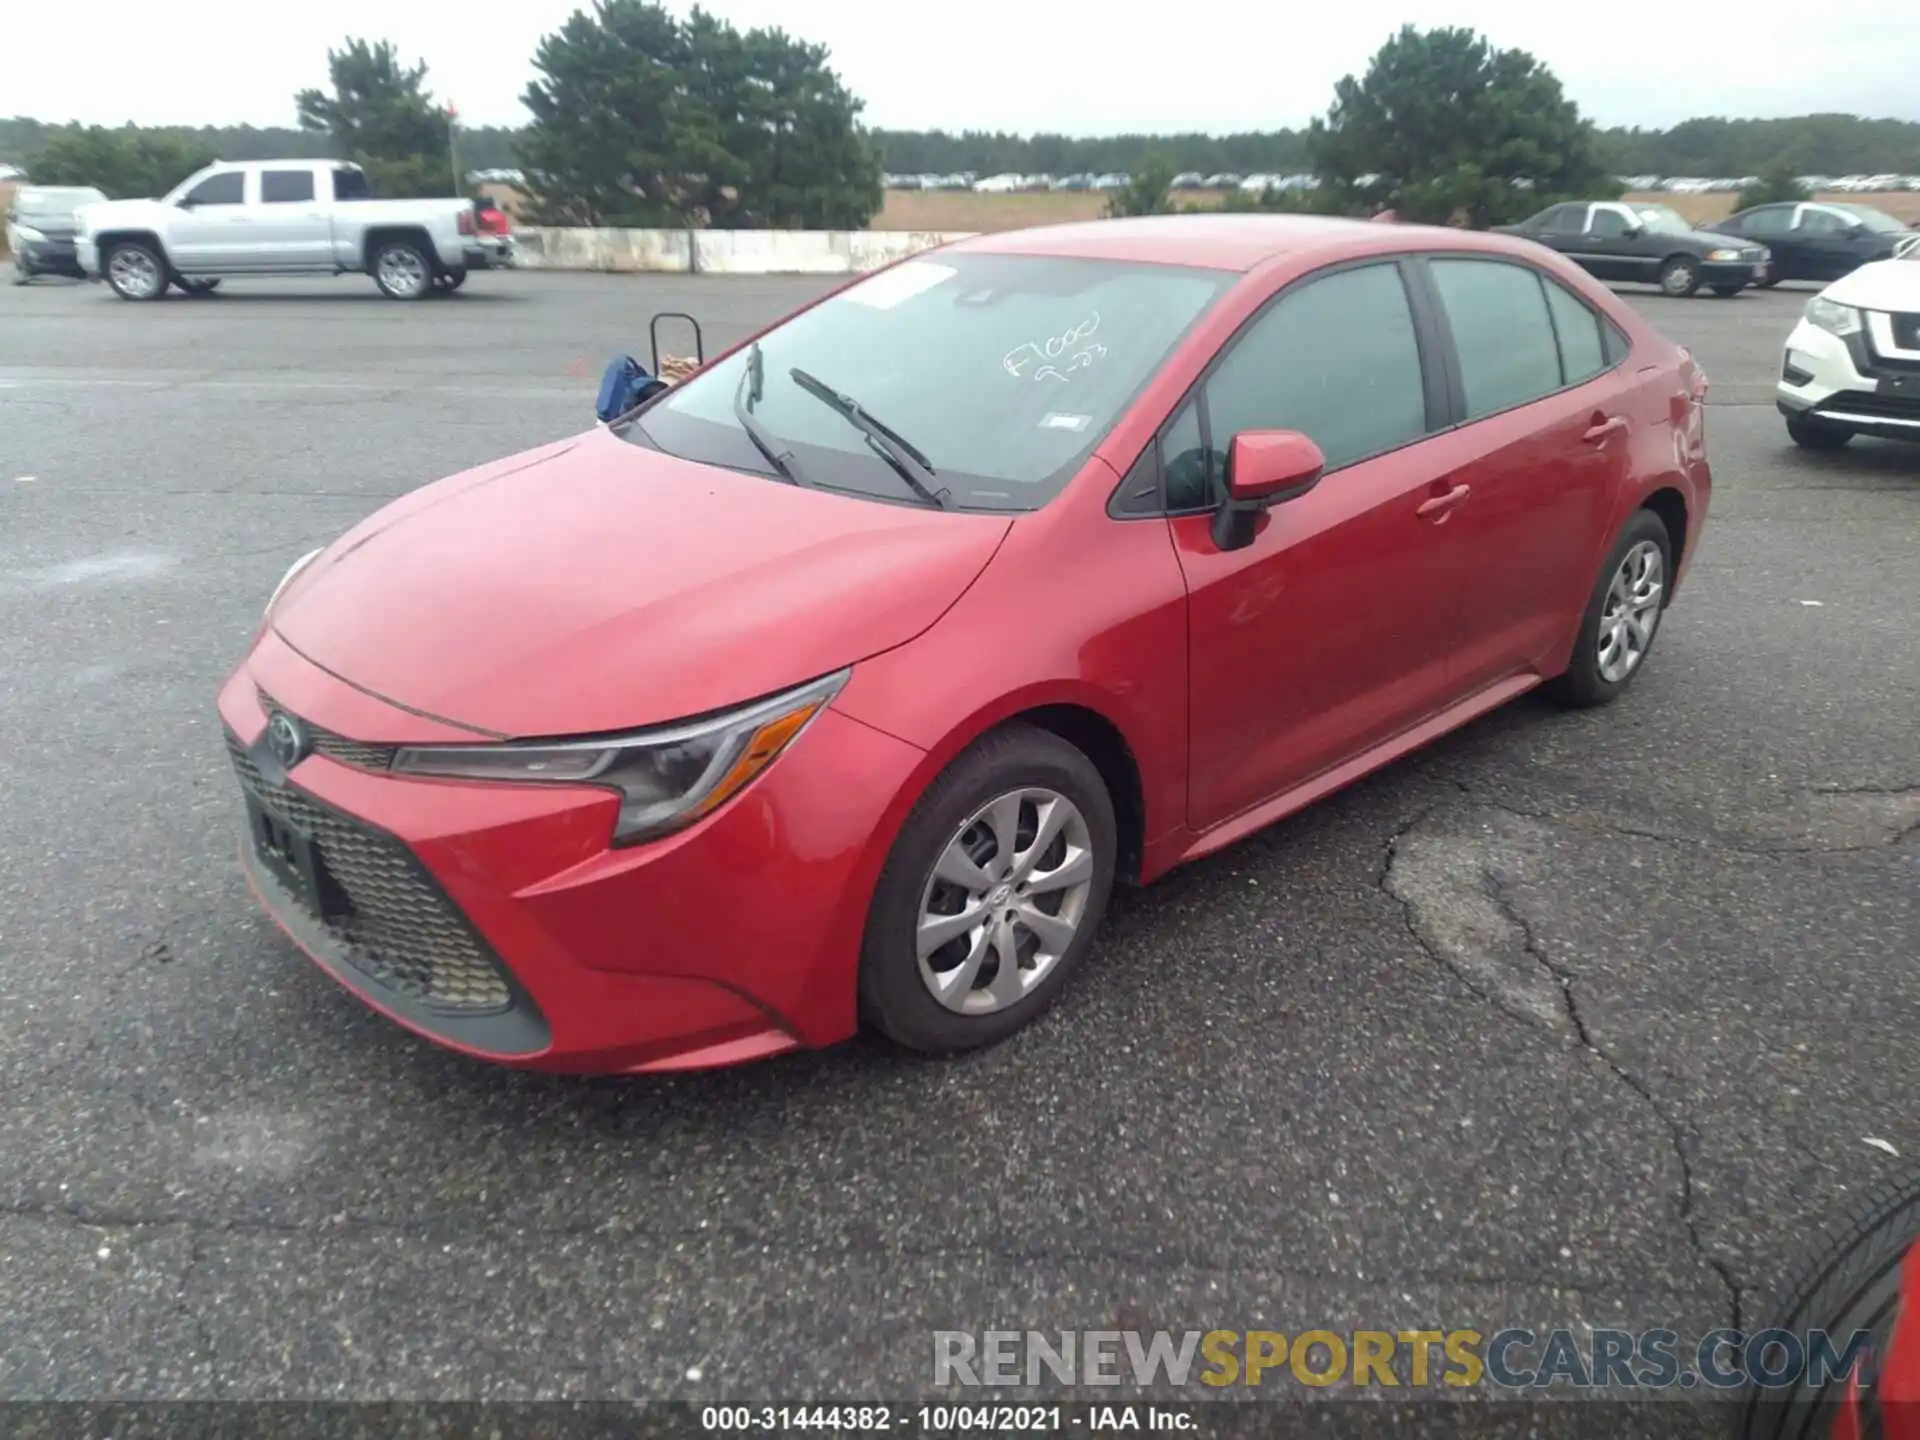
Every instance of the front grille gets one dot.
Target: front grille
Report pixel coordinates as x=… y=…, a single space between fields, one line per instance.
x=362 y=754
x=397 y=927
x=1880 y=406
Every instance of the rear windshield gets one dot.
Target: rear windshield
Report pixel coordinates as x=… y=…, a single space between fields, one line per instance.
x=1004 y=370
x=51 y=201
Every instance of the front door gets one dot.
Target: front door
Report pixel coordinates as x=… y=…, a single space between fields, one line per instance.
x=209 y=233
x=1331 y=631
x=1619 y=255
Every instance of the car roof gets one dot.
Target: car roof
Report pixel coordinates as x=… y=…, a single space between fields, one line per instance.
x=1230 y=242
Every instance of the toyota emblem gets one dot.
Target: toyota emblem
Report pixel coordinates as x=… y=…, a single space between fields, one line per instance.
x=287 y=738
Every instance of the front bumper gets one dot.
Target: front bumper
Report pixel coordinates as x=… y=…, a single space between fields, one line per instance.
x=1732 y=272
x=497 y=920
x=1848 y=384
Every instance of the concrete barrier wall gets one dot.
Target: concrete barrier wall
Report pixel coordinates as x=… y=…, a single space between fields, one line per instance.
x=722 y=252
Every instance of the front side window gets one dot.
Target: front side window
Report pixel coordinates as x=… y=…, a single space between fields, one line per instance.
x=1609 y=223
x=1662 y=220
x=227 y=188
x=1502 y=334
x=350 y=185
x=285 y=187
x=1004 y=371
x=1815 y=221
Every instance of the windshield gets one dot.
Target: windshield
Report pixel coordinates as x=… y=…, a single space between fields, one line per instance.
x=1004 y=371
x=1877 y=221
x=1659 y=220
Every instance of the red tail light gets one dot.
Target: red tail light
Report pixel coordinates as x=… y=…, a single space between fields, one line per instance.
x=466 y=222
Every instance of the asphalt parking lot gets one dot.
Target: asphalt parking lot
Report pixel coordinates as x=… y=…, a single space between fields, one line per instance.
x=1571 y=1019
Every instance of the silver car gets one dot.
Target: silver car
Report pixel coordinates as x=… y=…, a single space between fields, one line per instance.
x=41 y=227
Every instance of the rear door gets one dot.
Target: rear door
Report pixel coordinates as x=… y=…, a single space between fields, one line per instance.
x=1541 y=448
x=1772 y=226
x=292 y=232
x=211 y=231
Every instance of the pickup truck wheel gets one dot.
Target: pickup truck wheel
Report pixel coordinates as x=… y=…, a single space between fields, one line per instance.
x=136 y=272
x=195 y=287
x=401 y=271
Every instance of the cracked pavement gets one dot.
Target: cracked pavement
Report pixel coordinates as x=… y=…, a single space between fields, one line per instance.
x=1571 y=1019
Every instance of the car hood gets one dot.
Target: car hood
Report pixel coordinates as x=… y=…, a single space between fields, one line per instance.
x=593 y=585
x=100 y=215
x=1881 y=285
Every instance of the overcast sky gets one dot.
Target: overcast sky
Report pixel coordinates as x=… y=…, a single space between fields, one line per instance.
x=1023 y=65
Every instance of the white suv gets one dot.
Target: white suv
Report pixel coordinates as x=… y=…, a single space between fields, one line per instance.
x=1852 y=364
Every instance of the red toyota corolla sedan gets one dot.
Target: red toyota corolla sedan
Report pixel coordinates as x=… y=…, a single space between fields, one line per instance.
x=838 y=685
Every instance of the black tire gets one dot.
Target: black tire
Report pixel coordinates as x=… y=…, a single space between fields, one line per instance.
x=1680 y=276
x=894 y=999
x=402 y=270
x=1812 y=435
x=136 y=270
x=1850 y=1284
x=1727 y=292
x=196 y=287
x=1582 y=684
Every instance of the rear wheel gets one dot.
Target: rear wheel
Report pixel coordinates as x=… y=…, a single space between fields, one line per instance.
x=1680 y=276
x=136 y=271
x=1617 y=630
x=401 y=270
x=1812 y=435
x=992 y=895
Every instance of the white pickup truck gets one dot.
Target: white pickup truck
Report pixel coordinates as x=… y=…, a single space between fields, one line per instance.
x=282 y=217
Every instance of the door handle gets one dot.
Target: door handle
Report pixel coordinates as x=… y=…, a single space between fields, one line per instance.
x=1440 y=506
x=1598 y=433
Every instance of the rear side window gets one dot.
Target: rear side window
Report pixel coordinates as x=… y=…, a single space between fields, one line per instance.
x=1501 y=332
x=285 y=187
x=1582 y=351
x=1336 y=358
x=228 y=188
x=1771 y=221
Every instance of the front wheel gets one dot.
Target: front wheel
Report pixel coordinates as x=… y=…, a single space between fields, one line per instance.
x=1812 y=435
x=136 y=271
x=1680 y=277
x=401 y=271
x=1617 y=629
x=992 y=895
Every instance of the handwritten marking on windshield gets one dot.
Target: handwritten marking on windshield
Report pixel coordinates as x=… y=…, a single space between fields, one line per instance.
x=1043 y=353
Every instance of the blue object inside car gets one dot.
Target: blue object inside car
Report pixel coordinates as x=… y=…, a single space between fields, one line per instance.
x=624 y=385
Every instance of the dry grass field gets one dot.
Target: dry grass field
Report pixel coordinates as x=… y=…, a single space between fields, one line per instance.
x=963 y=210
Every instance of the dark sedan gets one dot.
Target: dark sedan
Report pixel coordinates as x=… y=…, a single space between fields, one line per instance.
x=41 y=226
x=1817 y=240
x=1652 y=244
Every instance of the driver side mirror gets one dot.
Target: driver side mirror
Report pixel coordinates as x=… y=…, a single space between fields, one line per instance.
x=1634 y=232
x=1264 y=468
x=185 y=202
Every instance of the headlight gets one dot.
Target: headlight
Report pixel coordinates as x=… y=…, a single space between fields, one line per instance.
x=28 y=233
x=287 y=579
x=1833 y=317
x=1723 y=255
x=666 y=778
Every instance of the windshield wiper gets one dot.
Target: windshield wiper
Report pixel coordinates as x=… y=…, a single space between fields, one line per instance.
x=763 y=439
x=889 y=445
